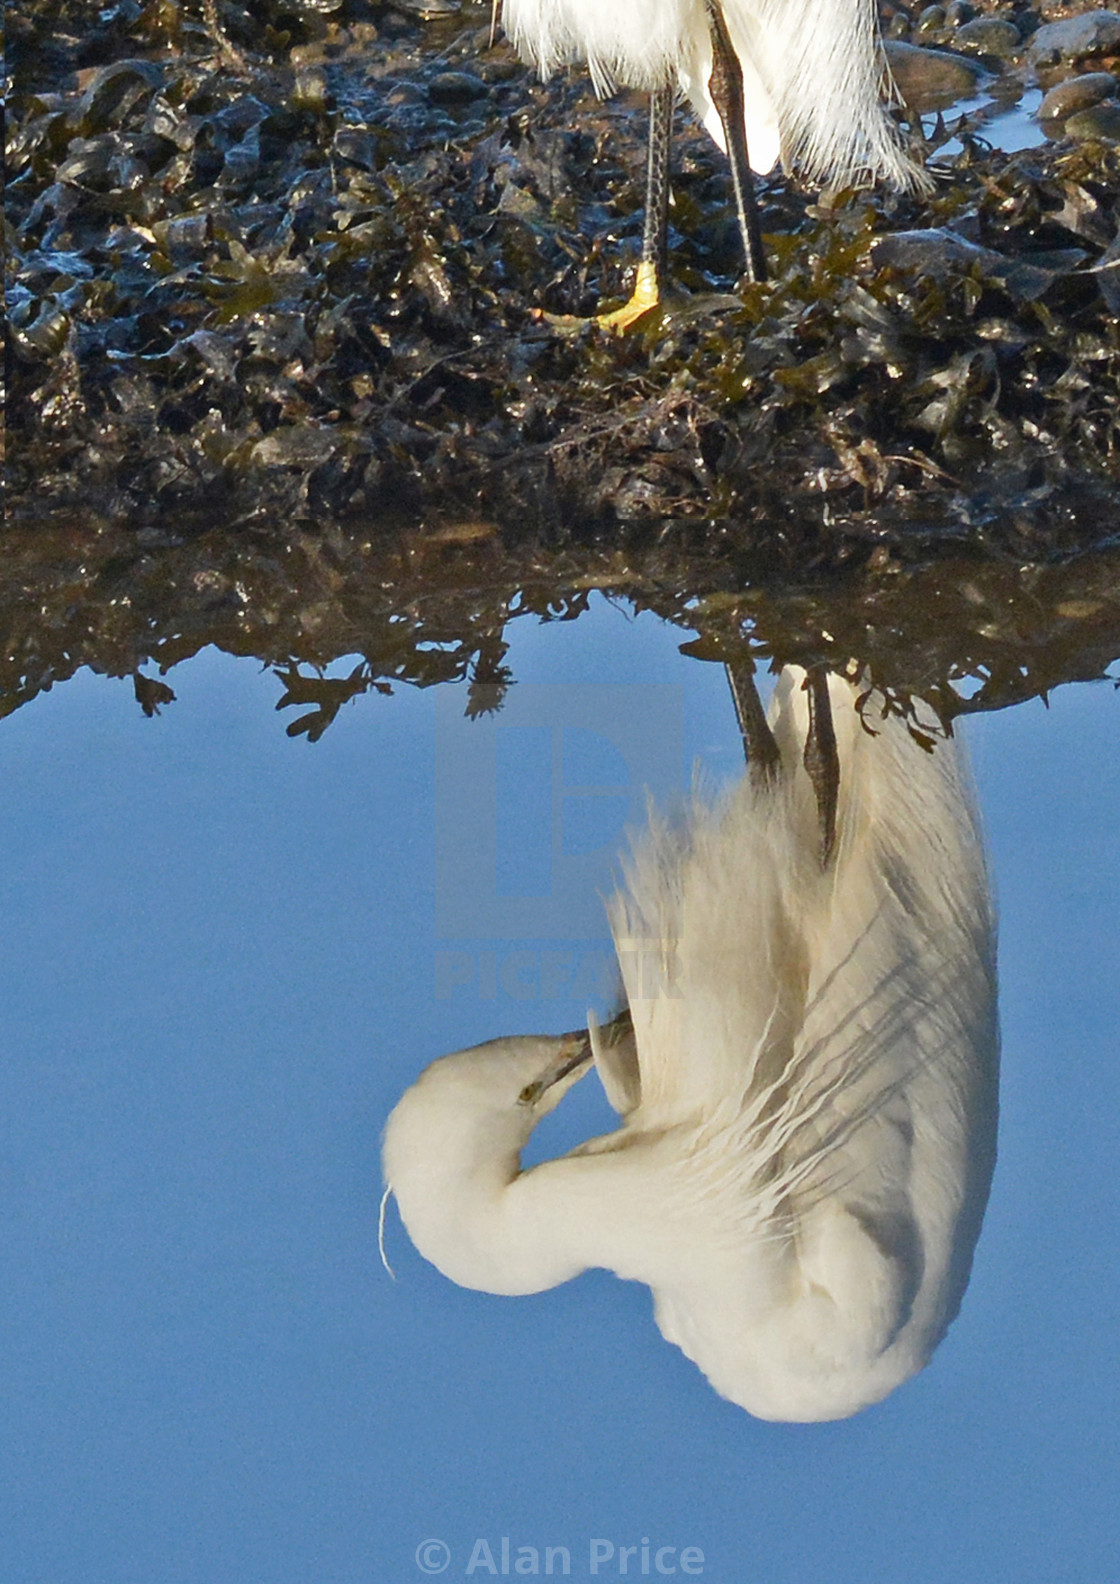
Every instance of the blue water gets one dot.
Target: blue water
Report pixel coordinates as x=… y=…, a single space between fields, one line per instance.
x=1009 y=128
x=225 y=954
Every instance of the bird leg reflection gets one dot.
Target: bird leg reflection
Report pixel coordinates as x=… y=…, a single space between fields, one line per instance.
x=821 y=757
x=822 y=761
x=726 y=88
x=764 y=759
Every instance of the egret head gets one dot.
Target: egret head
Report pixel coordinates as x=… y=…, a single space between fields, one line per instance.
x=453 y=1145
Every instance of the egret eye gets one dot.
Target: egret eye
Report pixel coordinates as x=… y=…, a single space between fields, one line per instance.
x=575 y=1053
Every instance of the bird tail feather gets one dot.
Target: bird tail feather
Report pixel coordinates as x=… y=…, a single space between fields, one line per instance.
x=825 y=75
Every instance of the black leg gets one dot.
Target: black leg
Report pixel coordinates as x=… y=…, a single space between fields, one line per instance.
x=821 y=758
x=763 y=758
x=726 y=88
x=655 y=236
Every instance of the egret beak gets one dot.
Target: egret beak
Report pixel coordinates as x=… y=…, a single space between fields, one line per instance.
x=574 y=1054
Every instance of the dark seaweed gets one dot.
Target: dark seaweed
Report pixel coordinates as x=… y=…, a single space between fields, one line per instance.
x=279 y=380
x=288 y=261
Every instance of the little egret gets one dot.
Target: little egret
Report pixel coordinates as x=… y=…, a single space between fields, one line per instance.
x=806 y=1074
x=799 y=80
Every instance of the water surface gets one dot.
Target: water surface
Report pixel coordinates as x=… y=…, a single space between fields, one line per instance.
x=227 y=952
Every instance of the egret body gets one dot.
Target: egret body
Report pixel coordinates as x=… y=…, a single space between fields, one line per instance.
x=806 y=1083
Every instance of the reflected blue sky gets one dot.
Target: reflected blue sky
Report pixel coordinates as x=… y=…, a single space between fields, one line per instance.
x=220 y=970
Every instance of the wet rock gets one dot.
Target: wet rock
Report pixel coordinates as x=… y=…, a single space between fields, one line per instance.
x=1093 y=33
x=1107 y=272
x=455 y=87
x=309 y=91
x=496 y=70
x=1098 y=121
x=988 y=36
x=293 y=447
x=932 y=19
x=931 y=79
x=428 y=9
x=958 y=13
x=939 y=254
x=1078 y=93
x=1059 y=10
x=516 y=201
x=936 y=252
x=358 y=146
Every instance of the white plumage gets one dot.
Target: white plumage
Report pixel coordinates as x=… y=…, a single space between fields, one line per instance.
x=808 y=1095
x=813 y=74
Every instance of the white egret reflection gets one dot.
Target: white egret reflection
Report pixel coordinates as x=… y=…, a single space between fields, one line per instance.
x=807 y=1083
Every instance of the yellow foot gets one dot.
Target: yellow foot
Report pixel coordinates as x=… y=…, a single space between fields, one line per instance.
x=646 y=295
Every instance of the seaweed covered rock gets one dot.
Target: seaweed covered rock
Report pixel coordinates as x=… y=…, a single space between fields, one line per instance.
x=291 y=265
